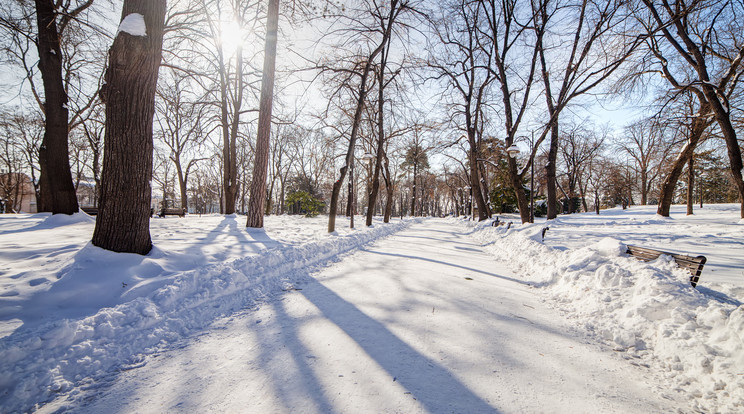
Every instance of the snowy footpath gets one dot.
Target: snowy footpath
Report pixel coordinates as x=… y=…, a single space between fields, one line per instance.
x=421 y=321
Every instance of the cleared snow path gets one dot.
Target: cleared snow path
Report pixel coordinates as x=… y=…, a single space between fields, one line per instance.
x=422 y=321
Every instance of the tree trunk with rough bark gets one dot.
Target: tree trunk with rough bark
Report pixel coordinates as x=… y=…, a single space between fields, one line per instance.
x=358 y=115
x=261 y=160
x=723 y=118
x=57 y=191
x=374 y=191
x=123 y=222
x=690 y=184
x=667 y=187
x=388 y=190
x=550 y=171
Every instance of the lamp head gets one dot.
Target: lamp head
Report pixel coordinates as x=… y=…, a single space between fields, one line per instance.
x=513 y=151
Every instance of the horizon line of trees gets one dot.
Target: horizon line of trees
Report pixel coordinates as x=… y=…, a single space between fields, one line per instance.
x=371 y=97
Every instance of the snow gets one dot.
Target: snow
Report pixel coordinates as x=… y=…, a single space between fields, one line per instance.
x=72 y=312
x=648 y=311
x=434 y=316
x=421 y=321
x=134 y=24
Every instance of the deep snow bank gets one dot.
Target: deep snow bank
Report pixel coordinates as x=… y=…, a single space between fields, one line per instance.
x=60 y=356
x=695 y=340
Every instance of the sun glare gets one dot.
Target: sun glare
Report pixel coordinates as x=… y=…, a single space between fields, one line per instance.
x=231 y=36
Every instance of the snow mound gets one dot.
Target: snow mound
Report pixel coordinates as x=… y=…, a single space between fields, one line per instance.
x=57 y=220
x=58 y=357
x=649 y=311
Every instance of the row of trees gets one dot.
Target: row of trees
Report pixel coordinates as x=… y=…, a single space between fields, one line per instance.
x=403 y=81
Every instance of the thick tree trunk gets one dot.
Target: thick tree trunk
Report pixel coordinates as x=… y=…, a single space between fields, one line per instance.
x=723 y=118
x=380 y=138
x=475 y=177
x=690 y=184
x=261 y=159
x=484 y=188
x=550 y=171
x=182 y=186
x=666 y=194
x=57 y=192
x=123 y=221
x=516 y=181
x=389 y=190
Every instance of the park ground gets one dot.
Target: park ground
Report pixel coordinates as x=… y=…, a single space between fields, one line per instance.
x=422 y=315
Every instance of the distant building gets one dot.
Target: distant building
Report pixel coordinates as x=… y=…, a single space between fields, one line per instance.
x=17 y=193
x=86 y=193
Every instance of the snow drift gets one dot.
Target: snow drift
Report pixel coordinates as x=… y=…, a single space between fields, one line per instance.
x=693 y=338
x=61 y=355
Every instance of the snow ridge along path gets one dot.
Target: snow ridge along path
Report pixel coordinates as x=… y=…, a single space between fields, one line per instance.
x=421 y=321
x=64 y=356
x=647 y=311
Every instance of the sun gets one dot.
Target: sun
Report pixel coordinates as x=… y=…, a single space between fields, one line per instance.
x=231 y=37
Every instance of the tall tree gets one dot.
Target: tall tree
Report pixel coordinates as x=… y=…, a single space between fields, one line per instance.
x=698 y=48
x=379 y=11
x=580 y=146
x=57 y=192
x=647 y=144
x=261 y=160
x=416 y=161
x=180 y=119
x=123 y=223
x=465 y=65
x=597 y=46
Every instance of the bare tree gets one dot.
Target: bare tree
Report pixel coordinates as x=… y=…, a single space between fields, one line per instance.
x=465 y=65
x=389 y=13
x=579 y=147
x=123 y=223
x=261 y=159
x=514 y=39
x=648 y=145
x=57 y=190
x=698 y=48
x=581 y=59
x=180 y=119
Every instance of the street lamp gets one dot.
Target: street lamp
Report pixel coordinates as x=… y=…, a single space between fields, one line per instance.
x=513 y=151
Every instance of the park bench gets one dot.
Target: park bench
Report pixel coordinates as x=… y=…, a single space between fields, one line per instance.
x=497 y=223
x=91 y=211
x=180 y=212
x=693 y=264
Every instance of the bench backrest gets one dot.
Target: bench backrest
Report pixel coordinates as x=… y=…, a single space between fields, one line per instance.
x=693 y=264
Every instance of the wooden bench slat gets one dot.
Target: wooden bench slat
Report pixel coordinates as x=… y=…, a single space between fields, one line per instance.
x=91 y=211
x=693 y=264
x=172 y=212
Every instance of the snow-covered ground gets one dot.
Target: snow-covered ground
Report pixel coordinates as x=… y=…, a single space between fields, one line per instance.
x=72 y=313
x=292 y=318
x=423 y=321
x=693 y=337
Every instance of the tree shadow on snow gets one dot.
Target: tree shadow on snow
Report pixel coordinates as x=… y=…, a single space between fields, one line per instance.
x=428 y=382
x=440 y=262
